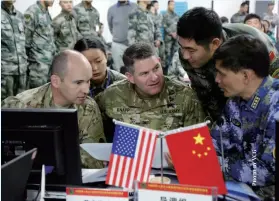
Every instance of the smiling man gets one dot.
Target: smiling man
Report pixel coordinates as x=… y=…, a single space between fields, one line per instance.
x=248 y=125
x=69 y=86
x=148 y=98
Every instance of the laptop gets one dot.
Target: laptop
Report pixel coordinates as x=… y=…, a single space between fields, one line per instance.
x=14 y=176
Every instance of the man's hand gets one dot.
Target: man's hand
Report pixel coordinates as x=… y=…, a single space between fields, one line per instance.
x=169 y=160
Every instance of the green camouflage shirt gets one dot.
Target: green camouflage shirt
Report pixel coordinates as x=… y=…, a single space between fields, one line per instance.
x=170 y=20
x=141 y=27
x=13 y=55
x=65 y=31
x=86 y=20
x=39 y=34
x=89 y=117
x=176 y=106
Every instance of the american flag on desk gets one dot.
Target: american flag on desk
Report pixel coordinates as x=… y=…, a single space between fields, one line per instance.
x=132 y=155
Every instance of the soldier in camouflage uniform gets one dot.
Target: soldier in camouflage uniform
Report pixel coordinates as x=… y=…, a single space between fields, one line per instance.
x=142 y=28
x=40 y=46
x=157 y=20
x=148 y=98
x=176 y=70
x=13 y=55
x=199 y=36
x=65 y=30
x=69 y=87
x=248 y=126
x=95 y=52
x=87 y=18
x=241 y=14
x=170 y=19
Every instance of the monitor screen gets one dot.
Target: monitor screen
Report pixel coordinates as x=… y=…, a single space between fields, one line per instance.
x=14 y=175
x=54 y=132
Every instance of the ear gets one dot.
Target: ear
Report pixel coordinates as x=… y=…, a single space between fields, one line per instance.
x=55 y=81
x=247 y=75
x=130 y=77
x=215 y=44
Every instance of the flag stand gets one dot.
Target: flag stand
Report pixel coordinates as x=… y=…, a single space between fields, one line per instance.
x=162 y=157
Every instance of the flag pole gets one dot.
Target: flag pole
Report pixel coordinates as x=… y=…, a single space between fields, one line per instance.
x=178 y=130
x=162 y=156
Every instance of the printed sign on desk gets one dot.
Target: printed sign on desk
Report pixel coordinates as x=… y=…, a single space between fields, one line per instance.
x=171 y=192
x=90 y=194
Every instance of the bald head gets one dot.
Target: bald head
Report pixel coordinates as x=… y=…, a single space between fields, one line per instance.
x=68 y=60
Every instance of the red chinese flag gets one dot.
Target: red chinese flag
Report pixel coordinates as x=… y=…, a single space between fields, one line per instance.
x=195 y=160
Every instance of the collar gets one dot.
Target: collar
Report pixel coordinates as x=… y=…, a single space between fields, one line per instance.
x=136 y=101
x=254 y=102
x=122 y=4
x=104 y=84
x=41 y=7
x=67 y=15
x=9 y=11
x=83 y=4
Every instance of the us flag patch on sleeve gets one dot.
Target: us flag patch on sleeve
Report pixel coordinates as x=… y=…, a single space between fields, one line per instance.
x=272 y=56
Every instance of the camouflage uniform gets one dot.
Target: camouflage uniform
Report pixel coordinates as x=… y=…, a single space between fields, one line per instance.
x=40 y=47
x=89 y=117
x=170 y=20
x=157 y=19
x=65 y=31
x=142 y=28
x=13 y=55
x=176 y=106
x=203 y=79
x=248 y=135
x=112 y=77
x=176 y=70
x=238 y=17
x=86 y=20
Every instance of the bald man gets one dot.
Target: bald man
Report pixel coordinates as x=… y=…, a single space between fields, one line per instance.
x=69 y=86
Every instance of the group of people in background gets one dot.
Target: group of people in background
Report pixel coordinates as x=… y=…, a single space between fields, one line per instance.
x=230 y=67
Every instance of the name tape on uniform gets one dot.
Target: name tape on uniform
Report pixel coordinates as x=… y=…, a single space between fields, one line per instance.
x=172 y=192
x=82 y=194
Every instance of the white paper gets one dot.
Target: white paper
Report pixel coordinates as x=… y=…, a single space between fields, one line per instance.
x=144 y=195
x=102 y=151
x=94 y=175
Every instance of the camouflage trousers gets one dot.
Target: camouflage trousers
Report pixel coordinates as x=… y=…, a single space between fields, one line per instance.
x=11 y=85
x=37 y=74
x=170 y=48
x=160 y=51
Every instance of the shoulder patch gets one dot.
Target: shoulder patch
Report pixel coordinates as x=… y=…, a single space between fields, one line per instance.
x=27 y=18
x=272 y=56
x=273 y=152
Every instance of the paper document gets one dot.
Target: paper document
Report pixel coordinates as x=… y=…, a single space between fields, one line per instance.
x=94 y=175
x=101 y=151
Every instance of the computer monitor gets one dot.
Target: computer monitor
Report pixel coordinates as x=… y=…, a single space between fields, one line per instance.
x=54 y=132
x=14 y=176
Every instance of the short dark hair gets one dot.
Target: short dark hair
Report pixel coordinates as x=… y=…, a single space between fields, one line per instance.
x=244 y=52
x=170 y=1
x=149 y=6
x=88 y=43
x=153 y=2
x=244 y=4
x=137 y=51
x=200 y=24
x=252 y=16
x=224 y=19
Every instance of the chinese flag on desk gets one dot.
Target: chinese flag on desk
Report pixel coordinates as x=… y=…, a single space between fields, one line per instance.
x=195 y=160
